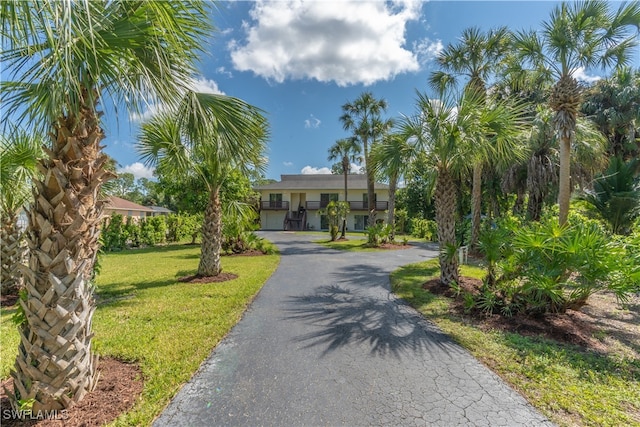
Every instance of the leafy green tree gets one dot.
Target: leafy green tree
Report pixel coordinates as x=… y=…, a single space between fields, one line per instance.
x=363 y=118
x=20 y=153
x=449 y=131
x=613 y=104
x=65 y=57
x=335 y=211
x=577 y=36
x=207 y=137
x=616 y=195
x=345 y=150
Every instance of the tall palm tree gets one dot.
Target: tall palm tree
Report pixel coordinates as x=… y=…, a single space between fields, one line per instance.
x=392 y=158
x=65 y=57
x=20 y=152
x=363 y=118
x=449 y=131
x=208 y=137
x=476 y=56
x=576 y=37
x=345 y=150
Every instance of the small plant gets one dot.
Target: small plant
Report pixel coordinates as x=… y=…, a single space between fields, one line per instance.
x=456 y=289
x=335 y=212
x=424 y=229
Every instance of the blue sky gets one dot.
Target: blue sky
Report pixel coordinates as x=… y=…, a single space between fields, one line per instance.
x=301 y=61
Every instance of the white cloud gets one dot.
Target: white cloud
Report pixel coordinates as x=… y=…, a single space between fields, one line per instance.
x=310 y=170
x=312 y=122
x=347 y=42
x=287 y=164
x=138 y=170
x=581 y=74
x=355 y=168
x=224 y=72
x=427 y=49
x=198 y=84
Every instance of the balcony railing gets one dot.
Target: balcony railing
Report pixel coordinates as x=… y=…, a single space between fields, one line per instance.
x=281 y=205
x=354 y=206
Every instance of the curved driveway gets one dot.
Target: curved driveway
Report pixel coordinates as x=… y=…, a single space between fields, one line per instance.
x=325 y=343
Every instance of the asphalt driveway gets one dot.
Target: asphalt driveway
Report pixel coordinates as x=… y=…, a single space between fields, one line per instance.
x=326 y=344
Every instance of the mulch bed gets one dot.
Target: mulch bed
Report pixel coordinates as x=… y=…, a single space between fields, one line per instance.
x=222 y=277
x=568 y=328
x=119 y=386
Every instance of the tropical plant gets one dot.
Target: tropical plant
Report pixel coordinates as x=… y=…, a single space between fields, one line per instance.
x=64 y=58
x=20 y=153
x=392 y=157
x=477 y=56
x=335 y=212
x=614 y=105
x=576 y=37
x=363 y=118
x=345 y=150
x=450 y=131
x=616 y=195
x=207 y=136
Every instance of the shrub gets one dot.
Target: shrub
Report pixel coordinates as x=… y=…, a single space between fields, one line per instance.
x=378 y=234
x=424 y=229
x=114 y=233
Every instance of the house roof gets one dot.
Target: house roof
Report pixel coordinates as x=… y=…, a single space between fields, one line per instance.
x=161 y=209
x=125 y=205
x=320 y=182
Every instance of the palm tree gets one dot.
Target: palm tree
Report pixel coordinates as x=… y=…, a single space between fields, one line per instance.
x=345 y=150
x=476 y=56
x=449 y=131
x=362 y=117
x=20 y=153
x=208 y=137
x=65 y=57
x=577 y=37
x=616 y=194
x=392 y=157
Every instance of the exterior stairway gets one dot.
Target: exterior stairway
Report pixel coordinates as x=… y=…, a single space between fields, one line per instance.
x=295 y=221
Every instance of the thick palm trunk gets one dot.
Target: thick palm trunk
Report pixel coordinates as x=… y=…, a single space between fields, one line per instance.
x=445 y=198
x=564 y=192
x=211 y=237
x=393 y=183
x=345 y=171
x=476 y=204
x=55 y=366
x=13 y=254
x=370 y=186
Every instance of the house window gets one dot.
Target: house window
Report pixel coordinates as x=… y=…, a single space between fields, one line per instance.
x=129 y=213
x=325 y=198
x=361 y=222
x=275 y=200
x=324 y=222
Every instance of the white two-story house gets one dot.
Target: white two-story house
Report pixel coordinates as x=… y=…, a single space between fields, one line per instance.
x=294 y=202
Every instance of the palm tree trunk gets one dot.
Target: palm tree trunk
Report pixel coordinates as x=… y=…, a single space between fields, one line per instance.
x=211 y=236
x=55 y=366
x=476 y=197
x=370 y=186
x=564 y=193
x=445 y=218
x=345 y=171
x=393 y=183
x=13 y=254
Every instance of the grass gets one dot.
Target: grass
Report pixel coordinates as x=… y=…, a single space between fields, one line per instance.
x=168 y=328
x=569 y=385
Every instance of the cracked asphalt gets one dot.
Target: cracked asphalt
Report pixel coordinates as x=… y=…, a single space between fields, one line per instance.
x=325 y=343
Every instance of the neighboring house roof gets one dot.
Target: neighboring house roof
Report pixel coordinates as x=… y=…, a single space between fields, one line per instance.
x=161 y=209
x=320 y=182
x=116 y=203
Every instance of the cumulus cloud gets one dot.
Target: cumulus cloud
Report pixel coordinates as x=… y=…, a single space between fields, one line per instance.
x=310 y=170
x=357 y=169
x=138 y=170
x=346 y=42
x=312 y=122
x=287 y=164
x=197 y=84
x=427 y=49
x=581 y=75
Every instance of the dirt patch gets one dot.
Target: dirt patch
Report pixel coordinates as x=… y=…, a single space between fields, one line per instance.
x=222 y=277
x=8 y=300
x=252 y=252
x=119 y=386
x=604 y=325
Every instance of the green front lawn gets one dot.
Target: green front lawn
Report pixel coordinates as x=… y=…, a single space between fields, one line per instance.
x=569 y=385
x=167 y=327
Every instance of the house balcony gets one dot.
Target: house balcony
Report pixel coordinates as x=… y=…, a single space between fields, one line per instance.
x=274 y=205
x=353 y=206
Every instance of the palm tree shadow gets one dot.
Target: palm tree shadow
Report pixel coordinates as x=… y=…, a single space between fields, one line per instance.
x=386 y=327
